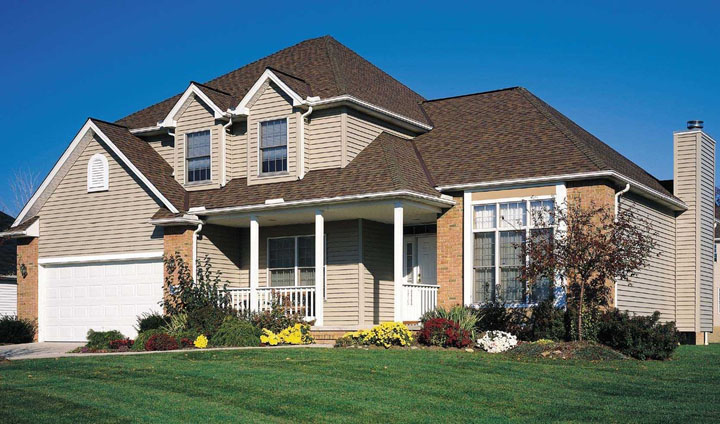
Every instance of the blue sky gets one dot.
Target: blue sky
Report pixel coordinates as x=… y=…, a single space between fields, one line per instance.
x=629 y=73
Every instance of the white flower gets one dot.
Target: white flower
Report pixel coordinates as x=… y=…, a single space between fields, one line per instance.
x=497 y=341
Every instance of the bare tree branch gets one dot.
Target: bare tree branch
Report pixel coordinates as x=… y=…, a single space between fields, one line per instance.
x=22 y=185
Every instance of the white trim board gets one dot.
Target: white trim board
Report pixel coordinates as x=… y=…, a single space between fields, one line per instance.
x=242 y=109
x=170 y=121
x=89 y=125
x=119 y=257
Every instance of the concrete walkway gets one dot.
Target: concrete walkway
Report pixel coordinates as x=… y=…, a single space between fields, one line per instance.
x=60 y=350
x=37 y=350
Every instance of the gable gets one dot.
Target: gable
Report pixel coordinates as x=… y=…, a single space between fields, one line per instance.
x=196 y=115
x=78 y=222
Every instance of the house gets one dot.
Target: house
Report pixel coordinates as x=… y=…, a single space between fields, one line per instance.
x=313 y=173
x=8 y=282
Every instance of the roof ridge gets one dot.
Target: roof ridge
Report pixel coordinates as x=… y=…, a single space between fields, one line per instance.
x=109 y=123
x=517 y=87
x=211 y=88
x=425 y=169
x=272 y=68
x=334 y=66
x=579 y=144
x=391 y=158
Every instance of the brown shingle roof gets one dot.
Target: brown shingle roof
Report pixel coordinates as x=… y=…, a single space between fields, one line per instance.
x=511 y=134
x=146 y=160
x=221 y=99
x=389 y=163
x=319 y=66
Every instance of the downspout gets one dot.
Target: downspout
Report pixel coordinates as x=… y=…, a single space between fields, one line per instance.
x=301 y=148
x=617 y=199
x=224 y=152
x=195 y=237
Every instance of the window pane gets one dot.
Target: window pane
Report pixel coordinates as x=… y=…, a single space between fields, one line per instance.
x=484 y=217
x=512 y=215
x=282 y=277
x=198 y=144
x=540 y=290
x=273 y=133
x=281 y=253
x=306 y=251
x=484 y=249
x=484 y=263
x=306 y=277
x=511 y=259
x=543 y=209
x=274 y=159
x=484 y=285
x=409 y=263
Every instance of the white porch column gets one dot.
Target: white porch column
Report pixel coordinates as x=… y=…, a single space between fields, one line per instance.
x=398 y=258
x=254 y=261
x=319 y=266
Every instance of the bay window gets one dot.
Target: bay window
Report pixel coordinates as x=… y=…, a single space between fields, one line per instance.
x=500 y=229
x=291 y=261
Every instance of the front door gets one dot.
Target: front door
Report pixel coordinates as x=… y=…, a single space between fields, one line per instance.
x=427 y=260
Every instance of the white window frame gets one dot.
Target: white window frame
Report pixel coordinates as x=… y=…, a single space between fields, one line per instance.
x=185 y=158
x=295 y=262
x=106 y=173
x=498 y=229
x=259 y=148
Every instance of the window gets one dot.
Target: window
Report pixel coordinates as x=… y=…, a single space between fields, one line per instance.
x=273 y=146
x=291 y=261
x=97 y=173
x=500 y=229
x=409 y=262
x=198 y=156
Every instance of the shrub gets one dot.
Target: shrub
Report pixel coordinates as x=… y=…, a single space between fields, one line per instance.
x=298 y=334
x=185 y=342
x=187 y=294
x=142 y=338
x=150 y=321
x=590 y=323
x=102 y=339
x=497 y=341
x=206 y=320
x=465 y=317
x=497 y=317
x=279 y=316
x=16 y=330
x=161 y=341
x=201 y=342
x=386 y=334
x=642 y=337
x=121 y=344
x=546 y=322
x=176 y=325
x=236 y=333
x=444 y=332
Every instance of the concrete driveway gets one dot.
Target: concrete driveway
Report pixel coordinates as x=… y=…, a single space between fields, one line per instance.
x=37 y=350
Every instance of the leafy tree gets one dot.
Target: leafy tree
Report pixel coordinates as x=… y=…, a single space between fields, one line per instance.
x=590 y=248
x=185 y=295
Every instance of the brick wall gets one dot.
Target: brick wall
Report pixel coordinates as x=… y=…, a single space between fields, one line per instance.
x=178 y=240
x=27 y=286
x=450 y=255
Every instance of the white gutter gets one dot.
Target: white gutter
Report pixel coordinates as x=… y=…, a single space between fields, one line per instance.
x=32 y=231
x=617 y=199
x=180 y=220
x=569 y=177
x=301 y=147
x=146 y=130
x=350 y=99
x=223 y=148
x=194 y=259
x=309 y=202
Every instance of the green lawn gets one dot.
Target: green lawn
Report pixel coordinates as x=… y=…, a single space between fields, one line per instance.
x=334 y=385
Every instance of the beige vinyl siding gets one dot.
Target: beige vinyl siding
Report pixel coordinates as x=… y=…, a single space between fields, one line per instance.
x=164 y=145
x=706 y=205
x=271 y=104
x=323 y=142
x=377 y=253
x=653 y=289
x=197 y=116
x=74 y=222
x=363 y=129
x=236 y=146
x=222 y=246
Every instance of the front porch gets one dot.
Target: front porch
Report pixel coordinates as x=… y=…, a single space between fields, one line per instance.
x=347 y=266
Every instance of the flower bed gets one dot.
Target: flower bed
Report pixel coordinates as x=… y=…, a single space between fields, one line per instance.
x=387 y=334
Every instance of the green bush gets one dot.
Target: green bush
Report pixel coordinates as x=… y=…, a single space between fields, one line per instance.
x=465 y=317
x=235 y=332
x=150 y=321
x=590 y=323
x=177 y=324
x=642 y=337
x=278 y=317
x=206 y=320
x=102 y=339
x=498 y=317
x=546 y=322
x=16 y=330
x=143 y=337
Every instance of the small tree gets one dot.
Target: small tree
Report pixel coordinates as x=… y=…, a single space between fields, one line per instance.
x=184 y=294
x=590 y=248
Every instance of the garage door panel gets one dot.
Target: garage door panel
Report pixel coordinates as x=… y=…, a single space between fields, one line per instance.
x=98 y=296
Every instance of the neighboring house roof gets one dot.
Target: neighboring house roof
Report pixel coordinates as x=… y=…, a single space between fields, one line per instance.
x=319 y=67
x=8 y=252
x=388 y=164
x=511 y=134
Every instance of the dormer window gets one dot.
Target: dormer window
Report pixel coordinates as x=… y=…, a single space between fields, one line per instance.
x=273 y=146
x=97 y=173
x=198 y=156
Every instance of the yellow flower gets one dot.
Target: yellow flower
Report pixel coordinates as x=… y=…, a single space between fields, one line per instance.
x=201 y=342
x=268 y=337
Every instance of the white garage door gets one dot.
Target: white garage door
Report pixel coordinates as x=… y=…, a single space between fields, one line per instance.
x=8 y=297
x=98 y=296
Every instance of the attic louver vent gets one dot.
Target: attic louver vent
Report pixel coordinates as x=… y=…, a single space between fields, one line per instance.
x=97 y=173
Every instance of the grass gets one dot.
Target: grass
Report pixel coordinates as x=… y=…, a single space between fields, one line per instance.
x=341 y=385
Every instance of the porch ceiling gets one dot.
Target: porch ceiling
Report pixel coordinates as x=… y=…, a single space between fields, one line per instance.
x=381 y=211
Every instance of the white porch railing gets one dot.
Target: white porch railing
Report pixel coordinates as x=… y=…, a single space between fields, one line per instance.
x=418 y=299
x=302 y=299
